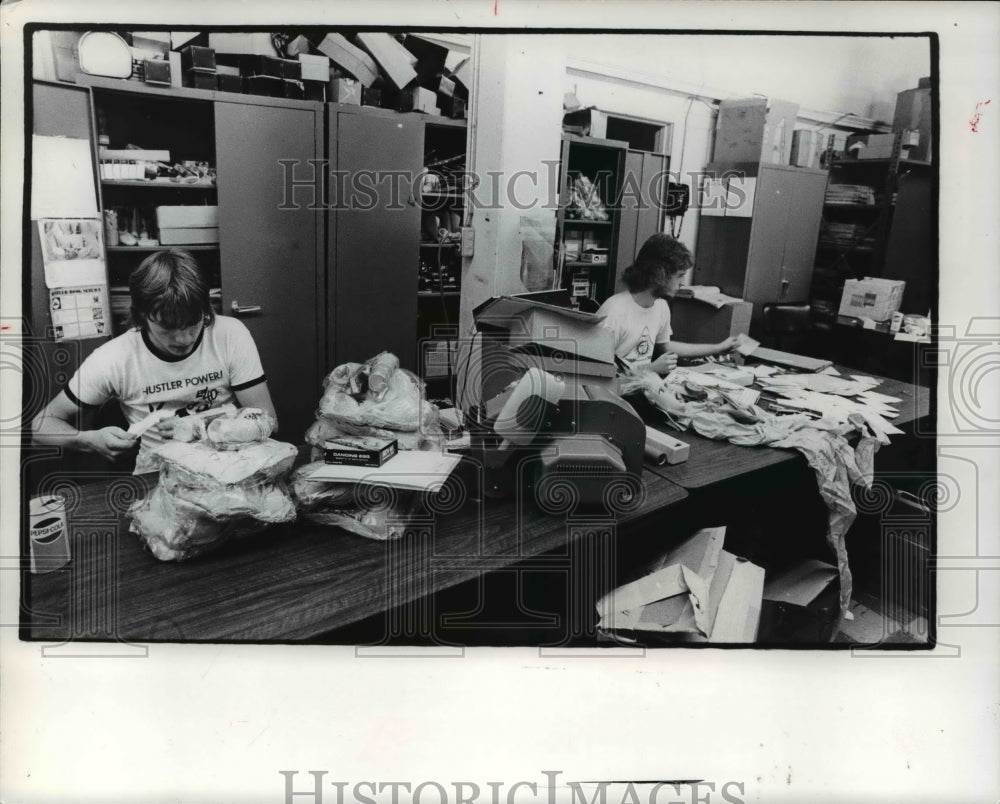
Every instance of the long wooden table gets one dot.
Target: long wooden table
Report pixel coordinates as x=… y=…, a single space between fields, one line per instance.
x=298 y=581
x=711 y=462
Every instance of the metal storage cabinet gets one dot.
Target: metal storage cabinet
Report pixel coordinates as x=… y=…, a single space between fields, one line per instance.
x=271 y=246
x=641 y=215
x=375 y=233
x=767 y=257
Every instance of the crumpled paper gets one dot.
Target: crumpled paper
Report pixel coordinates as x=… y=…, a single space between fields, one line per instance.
x=823 y=442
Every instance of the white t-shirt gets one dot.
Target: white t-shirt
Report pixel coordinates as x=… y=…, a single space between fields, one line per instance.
x=636 y=328
x=142 y=378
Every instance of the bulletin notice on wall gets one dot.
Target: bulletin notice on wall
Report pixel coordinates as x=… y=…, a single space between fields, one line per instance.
x=79 y=312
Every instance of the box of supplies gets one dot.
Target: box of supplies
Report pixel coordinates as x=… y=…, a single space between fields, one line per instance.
x=346 y=91
x=913 y=113
x=189 y=236
x=350 y=58
x=259 y=44
x=359 y=450
x=190 y=215
x=755 y=130
x=313 y=68
x=694 y=321
x=876 y=299
x=805 y=148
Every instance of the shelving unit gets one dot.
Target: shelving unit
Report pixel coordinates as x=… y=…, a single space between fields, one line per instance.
x=866 y=238
x=439 y=277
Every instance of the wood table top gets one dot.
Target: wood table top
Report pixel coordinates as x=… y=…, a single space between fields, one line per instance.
x=295 y=581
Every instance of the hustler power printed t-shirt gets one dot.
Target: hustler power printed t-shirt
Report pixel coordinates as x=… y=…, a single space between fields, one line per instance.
x=636 y=328
x=142 y=378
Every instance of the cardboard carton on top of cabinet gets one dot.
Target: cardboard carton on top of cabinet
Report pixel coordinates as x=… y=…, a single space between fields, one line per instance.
x=200 y=80
x=371 y=97
x=352 y=59
x=297 y=47
x=913 y=113
x=180 y=38
x=291 y=68
x=314 y=68
x=264 y=85
x=157 y=42
x=256 y=44
x=755 y=130
x=227 y=69
x=345 y=90
x=875 y=146
x=176 y=74
x=157 y=72
x=315 y=90
x=430 y=58
x=805 y=148
x=230 y=83
x=419 y=99
x=293 y=89
x=391 y=56
x=452 y=107
x=198 y=58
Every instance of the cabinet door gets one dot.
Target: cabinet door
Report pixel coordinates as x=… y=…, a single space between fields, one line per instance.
x=377 y=230
x=654 y=194
x=270 y=246
x=804 y=214
x=632 y=200
x=775 y=189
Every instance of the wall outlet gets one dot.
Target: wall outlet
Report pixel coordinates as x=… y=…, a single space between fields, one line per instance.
x=468 y=241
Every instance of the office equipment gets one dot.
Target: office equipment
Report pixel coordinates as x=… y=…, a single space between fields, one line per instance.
x=665 y=449
x=872 y=298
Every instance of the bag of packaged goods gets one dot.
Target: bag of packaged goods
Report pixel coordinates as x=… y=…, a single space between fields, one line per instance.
x=375 y=512
x=247 y=426
x=175 y=529
x=206 y=496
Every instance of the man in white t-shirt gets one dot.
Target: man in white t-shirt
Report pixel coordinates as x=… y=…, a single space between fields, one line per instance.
x=640 y=317
x=179 y=357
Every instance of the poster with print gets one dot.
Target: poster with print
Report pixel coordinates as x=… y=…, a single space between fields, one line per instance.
x=72 y=251
x=79 y=313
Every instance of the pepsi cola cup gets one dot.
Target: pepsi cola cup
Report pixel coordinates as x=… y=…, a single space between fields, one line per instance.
x=47 y=533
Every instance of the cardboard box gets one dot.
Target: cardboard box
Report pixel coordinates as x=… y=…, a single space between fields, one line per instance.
x=371 y=96
x=200 y=80
x=314 y=68
x=188 y=236
x=346 y=91
x=352 y=59
x=806 y=146
x=697 y=592
x=419 y=99
x=529 y=321
x=913 y=113
x=755 y=130
x=359 y=450
x=198 y=58
x=265 y=85
x=801 y=604
x=392 y=57
x=453 y=107
x=873 y=146
x=258 y=44
x=193 y=216
x=157 y=72
x=298 y=46
x=315 y=90
x=293 y=89
x=876 y=299
x=229 y=83
x=694 y=321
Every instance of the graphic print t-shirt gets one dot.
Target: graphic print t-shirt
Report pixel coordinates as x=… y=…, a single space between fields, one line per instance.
x=143 y=379
x=636 y=328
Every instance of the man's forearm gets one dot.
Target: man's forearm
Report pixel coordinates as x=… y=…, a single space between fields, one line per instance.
x=689 y=350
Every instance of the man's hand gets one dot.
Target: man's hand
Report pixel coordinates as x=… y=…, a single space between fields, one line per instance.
x=108 y=441
x=731 y=344
x=665 y=363
x=165 y=427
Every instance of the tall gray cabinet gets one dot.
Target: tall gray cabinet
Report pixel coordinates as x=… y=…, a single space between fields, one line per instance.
x=762 y=246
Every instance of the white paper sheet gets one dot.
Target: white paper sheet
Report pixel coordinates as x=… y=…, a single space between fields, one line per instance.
x=72 y=252
x=420 y=471
x=62 y=178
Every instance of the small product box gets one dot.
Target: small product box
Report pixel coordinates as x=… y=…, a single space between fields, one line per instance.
x=359 y=450
x=230 y=83
x=876 y=299
x=314 y=68
x=293 y=89
x=595 y=256
x=419 y=99
x=265 y=85
x=156 y=72
x=200 y=80
x=188 y=225
x=198 y=58
x=291 y=68
x=346 y=91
